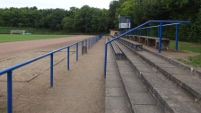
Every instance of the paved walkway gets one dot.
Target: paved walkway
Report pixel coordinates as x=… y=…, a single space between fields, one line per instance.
x=80 y=90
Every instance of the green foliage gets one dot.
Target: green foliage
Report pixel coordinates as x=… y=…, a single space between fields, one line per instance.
x=144 y=10
x=67 y=23
x=11 y=38
x=84 y=20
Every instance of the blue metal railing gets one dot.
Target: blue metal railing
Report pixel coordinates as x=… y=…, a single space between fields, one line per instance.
x=139 y=27
x=9 y=70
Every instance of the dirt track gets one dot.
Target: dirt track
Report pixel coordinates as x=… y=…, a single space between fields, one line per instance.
x=10 y=48
x=80 y=90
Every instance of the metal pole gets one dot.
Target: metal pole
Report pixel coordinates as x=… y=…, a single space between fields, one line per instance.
x=177 y=31
x=76 y=51
x=160 y=41
x=68 y=58
x=88 y=42
x=91 y=42
x=105 y=63
x=82 y=47
x=51 y=70
x=9 y=92
x=105 y=58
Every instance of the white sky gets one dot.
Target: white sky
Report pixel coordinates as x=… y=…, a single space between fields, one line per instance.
x=64 y=4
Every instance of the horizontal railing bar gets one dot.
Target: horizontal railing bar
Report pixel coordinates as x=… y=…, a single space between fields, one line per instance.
x=11 y=68
x=162 y=25
x=23 y=63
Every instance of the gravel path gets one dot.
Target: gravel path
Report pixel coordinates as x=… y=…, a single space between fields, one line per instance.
x=79 y=90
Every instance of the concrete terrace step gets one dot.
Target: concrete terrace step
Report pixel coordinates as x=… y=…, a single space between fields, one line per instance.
x=116 y=99
x=141 y=99
x=181 y=77
x=172 y=99
x=178 y=75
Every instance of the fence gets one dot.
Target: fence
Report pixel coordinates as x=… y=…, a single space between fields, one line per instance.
x=87 y=42
x=161 y=24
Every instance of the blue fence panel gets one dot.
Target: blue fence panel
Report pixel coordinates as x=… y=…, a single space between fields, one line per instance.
x=9 y=70
x=166 y=22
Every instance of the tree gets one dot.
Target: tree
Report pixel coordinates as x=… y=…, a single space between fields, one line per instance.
x=67 y=23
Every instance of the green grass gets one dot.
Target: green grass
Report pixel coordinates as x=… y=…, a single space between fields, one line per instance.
x=195 y=61
x=1 y=95
x=12 y=38
x=3 y=109
x=192 y=47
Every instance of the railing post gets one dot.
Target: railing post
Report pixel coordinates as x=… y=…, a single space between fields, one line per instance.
x=177 y=31
x=51 y=70
x=92 y=41
x=88 y=43
x=68 y=59
x=160 y=39
x=9 y=92
x=76 y=51
x=105 y=61
x=82 y=47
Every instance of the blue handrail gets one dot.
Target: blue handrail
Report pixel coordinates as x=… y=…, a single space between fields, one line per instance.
x=138 y=27
x=9 y=70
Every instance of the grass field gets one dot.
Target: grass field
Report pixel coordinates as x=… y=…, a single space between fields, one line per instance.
x=187 y=46
x=12 y=38
x=192 y=47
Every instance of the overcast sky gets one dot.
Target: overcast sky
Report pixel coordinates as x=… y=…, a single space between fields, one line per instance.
x=64 y=4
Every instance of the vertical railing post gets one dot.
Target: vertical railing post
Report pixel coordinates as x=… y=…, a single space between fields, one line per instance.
x=82 y=47
x=76 y=51
x=88 y=42
x=68 y=59
x=9 y=92
x=51 y=70
x=105 y=61
x=93 y=41
x=177 y=31
x=160 y=39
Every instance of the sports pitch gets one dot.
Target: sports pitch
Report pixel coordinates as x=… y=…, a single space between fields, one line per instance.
x=12 y=38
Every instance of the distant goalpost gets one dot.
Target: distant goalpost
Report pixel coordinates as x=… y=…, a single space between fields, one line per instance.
x=17 y=31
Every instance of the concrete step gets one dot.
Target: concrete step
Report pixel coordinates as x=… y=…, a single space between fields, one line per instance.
x=172 y=99
x=180 y=76
x=116 y=99
x=141 y=100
